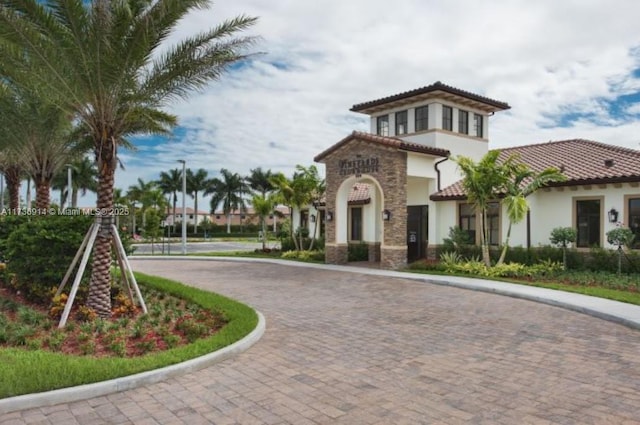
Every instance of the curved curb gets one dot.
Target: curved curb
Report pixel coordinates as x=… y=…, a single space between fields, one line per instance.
x=83 y=392
x=613 y=311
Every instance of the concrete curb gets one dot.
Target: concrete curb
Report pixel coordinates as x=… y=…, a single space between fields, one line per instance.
x=601 y=308
x=83 y=392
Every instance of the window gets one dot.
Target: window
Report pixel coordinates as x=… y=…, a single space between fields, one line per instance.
x=190 y=216
x=467 y=220
x=634 y=220
x=356 y=224
x=422 y=118
x=447 y=118
x=401 y=123
x=493 y=223
x=588 y=222
x=477 y=125
x=463 y=122
x=217 y=217
x=382 y=125
x=304 y=219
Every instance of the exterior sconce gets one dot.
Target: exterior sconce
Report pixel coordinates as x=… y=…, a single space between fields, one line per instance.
x=329 y=215
x=386 y=215
x=613 y=215
x=313 y=218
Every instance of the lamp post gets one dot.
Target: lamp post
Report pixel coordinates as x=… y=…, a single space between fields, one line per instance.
x=69 y=182
x=184 y=206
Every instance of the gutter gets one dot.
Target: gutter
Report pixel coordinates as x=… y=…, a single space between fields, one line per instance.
x=435 y=166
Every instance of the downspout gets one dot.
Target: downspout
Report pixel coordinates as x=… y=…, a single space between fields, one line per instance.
x=435 y=166
x=528 y=229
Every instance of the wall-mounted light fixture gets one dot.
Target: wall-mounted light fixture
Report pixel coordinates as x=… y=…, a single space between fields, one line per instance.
x=329 y=215
x=313 y=218
x=613 y=215
x=386 y=215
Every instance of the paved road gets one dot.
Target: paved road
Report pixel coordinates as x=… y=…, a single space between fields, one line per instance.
x=348 y=348
x=194 y=247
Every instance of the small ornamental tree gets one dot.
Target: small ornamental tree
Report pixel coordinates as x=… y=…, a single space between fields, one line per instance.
x=620 y=236
x=562 y=237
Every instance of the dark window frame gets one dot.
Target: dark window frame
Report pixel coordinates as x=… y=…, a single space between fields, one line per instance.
x=382 y=125
x=467 y=220
x=447 y=118
x=405 y=122
x=356 y=224
x=463 y=124
x=421 y=115
x=633 y=218
x=588 y=221
x=478 y=125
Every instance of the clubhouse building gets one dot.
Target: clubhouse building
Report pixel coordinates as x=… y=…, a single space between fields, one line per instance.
x=396 y=189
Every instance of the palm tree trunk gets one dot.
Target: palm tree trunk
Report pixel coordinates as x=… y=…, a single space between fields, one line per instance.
x=503 y=254
x=264 y=234
x=28 y=192
x=228 y=223
x=173 y=220
x=12 y=177
x=483 y=239
x=74 y=198
x=100 y=285
x=195 y=214
x=43 y=199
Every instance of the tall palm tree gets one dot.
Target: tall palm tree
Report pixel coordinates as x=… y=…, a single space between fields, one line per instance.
x=263 y=206
x=170 y=183
x=260 y=181
x=140 y=193
x=197 y=182
x=83 y=178
x=227 y=191
x=482 y=182
x=97 y=60
x=522 y=181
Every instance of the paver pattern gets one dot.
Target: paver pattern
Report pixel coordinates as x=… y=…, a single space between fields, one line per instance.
x=348 y=348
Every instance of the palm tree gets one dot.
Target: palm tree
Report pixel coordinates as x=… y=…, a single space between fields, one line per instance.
x=227 y=191
x=482 y=182
x=140 y=193
x=60 y=182
x=522 y=182
x=97 y=60
x=170 y=184
x=263 y=206
x=260 y=181
x=83 y=178
x=197 y=182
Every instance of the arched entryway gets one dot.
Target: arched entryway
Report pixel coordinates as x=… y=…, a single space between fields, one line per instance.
x=358 y=215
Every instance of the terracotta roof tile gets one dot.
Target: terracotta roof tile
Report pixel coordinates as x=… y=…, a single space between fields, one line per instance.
x=437 y=86
x=393 y=142
x=582 y=161
x=359 y=194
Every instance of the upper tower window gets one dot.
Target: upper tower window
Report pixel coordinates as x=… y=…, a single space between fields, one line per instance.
x=447 y=118
x=477 y=125
x=401 y=123
x=463 y=122
x=382 y=125
x=422 y=118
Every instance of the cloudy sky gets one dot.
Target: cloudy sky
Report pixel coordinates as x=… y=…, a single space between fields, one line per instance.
x=568 y=68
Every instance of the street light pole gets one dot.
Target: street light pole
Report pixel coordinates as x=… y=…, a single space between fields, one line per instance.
x=69 y=204
x=184 y=206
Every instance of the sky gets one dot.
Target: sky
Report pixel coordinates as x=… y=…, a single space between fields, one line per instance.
x=568 y=69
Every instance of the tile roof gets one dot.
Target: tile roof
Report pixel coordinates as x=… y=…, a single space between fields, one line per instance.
x=359 y=195
x=393 y=142
x=437 y=86
x=582 y=161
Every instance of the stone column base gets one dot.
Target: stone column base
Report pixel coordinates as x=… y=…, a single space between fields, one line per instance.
x=374 y=251
x=336 y=253
x=393 y=257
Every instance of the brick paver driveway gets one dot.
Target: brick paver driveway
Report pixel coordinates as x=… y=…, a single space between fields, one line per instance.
x=349 y=348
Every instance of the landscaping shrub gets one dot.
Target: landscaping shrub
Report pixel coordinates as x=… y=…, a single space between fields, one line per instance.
x=304 y=255
x=40 y=250
x=358 y=252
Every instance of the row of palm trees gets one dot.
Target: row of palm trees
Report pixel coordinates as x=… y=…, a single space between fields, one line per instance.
x=230 y=192
x=81 y=76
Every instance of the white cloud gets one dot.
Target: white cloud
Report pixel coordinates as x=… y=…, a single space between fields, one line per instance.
x=545 y=58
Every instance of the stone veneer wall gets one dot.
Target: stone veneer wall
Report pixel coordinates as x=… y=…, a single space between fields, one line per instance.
x=392 y=177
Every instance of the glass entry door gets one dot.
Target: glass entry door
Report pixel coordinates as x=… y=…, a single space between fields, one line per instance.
x=417 y=234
